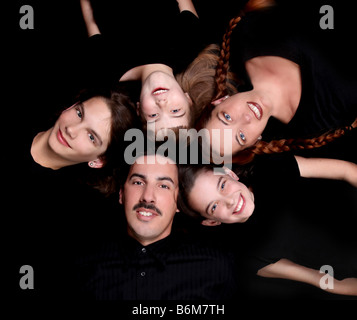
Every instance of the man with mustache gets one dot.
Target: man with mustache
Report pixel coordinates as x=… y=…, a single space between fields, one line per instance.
x=151 y=260
x=149 y=196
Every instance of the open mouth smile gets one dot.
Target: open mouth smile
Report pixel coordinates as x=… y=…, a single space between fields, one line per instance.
x=240 y=205
x=256 y=108
x=159 y=91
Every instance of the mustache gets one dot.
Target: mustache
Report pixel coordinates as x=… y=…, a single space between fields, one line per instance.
x=149 y=206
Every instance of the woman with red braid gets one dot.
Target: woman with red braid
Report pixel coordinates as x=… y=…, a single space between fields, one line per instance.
x=288 y=91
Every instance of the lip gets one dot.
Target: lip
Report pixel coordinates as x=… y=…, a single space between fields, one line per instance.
x=241 y=198
x=159 y=90
x=146 y=218
x=61 y=139
x=256 y=109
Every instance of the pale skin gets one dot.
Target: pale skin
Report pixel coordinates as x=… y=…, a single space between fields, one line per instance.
x=163 y=104
x=225 y=203
x=276 y=93
x=149 y=197
x=80 y=134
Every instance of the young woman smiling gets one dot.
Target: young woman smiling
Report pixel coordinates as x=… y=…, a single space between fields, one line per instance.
x=289 y=92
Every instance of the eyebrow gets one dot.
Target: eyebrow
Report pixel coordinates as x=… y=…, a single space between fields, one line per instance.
x=80 y=104
x=141 y=176
x=218 y=184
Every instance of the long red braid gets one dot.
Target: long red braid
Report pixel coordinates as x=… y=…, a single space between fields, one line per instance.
x=262 y=147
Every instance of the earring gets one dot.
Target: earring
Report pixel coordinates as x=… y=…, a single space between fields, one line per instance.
x=91 y=164
x=260 y=138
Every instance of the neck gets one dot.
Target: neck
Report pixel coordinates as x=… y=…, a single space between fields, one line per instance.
x=43 y=154
x=142 y=72
x=279 y=81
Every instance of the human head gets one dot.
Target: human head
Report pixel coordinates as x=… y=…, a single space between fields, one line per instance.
x=215 y=196
x=92 y=129
x=243 y=115
x=163 y=103
x=149 y=196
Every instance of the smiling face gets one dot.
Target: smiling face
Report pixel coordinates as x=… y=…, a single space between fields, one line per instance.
x=149 y=197
x=163 y=104
x=82 y=132
x=244 y=115
x=221 y=198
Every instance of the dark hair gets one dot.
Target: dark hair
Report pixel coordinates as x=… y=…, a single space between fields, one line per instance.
x=187 y=178
x=123 y=117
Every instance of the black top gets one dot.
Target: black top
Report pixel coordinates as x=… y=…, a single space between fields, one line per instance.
x=176 y=45
x=57 y=216
x=309 y=221
x=329 y=97
x=174 y=268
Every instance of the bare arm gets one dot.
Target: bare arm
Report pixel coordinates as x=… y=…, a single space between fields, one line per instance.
x=286 y=269
x=187 y=5
x=328 y=169
x=87 y=12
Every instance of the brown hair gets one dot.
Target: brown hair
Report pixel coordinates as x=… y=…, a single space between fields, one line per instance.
x=123 y=117
x=283 y=145
x=222 y=89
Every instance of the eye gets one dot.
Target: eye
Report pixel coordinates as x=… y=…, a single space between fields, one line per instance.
x=154 y=115
x=214 y=207
x=79 y=113
x=242 y=136
x=223 y=185
x=164 y=186
x=175 y=110
x=227 y=116
x=137 y=183
x=91 y=137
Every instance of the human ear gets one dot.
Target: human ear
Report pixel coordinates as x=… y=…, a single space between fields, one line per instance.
x=220 y=100
x=97 y=163
x=230 y=173
x=188 y=98
x=210 y=222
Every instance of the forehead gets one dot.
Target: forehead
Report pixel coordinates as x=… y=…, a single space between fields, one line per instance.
x=154 y=167
x=98 y=107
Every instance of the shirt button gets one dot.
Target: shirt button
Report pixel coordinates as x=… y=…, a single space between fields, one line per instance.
x=143 y=250
x=143 y=274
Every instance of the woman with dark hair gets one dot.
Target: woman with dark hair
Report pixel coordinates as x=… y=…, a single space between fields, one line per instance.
x=88 y=131
x=288 y=95
x=289 y=235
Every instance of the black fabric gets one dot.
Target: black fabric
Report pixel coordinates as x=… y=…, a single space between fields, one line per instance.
x=308 y=221
x=174 y=268
x=329 y=96
x=176 y=44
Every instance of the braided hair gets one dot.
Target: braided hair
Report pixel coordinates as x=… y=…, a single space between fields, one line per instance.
x=261 y=147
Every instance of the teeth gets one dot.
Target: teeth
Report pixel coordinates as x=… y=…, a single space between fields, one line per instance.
x=160 y=91
x=240 y=204
x=145 y=213
x=255 y=110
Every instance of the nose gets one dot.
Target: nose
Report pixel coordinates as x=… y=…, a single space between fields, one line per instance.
x=161 y=102
x=229 y=202
x=148 y=195
x=72 y=131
